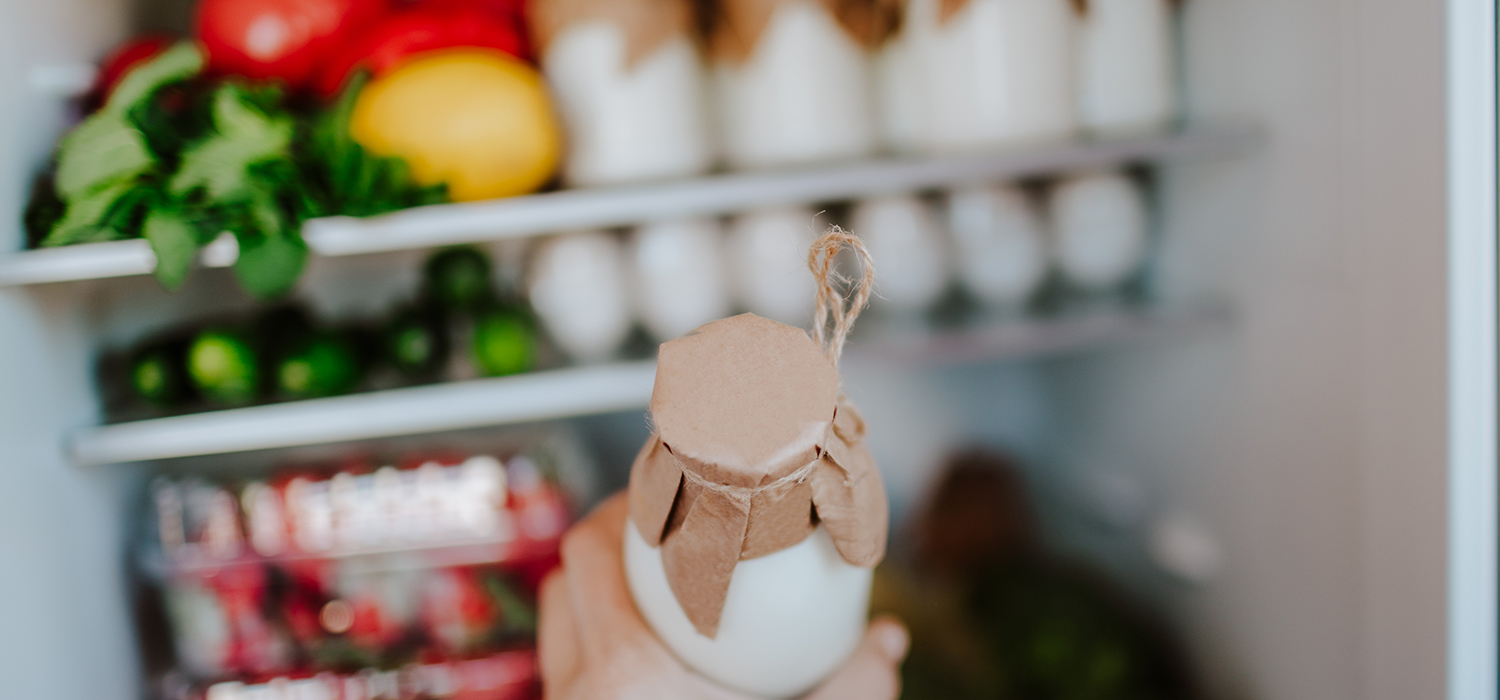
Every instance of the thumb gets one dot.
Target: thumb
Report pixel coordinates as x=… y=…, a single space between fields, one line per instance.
x=873 y=672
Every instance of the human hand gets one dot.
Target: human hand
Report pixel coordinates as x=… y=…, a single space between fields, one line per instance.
x=594 y=645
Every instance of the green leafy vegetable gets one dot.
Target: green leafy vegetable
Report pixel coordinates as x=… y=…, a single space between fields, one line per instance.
x=269 y=264
x=179 y=63
x=178 y=161
x=243 y=136
x=86 y=220
x=103 y=151
x=175 y=241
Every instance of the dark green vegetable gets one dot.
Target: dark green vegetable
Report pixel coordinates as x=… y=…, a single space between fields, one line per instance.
x=504 y=342
x=328 y=364
x=460 y=279
x=415 y=343
x=157 y=375
x=223 y=367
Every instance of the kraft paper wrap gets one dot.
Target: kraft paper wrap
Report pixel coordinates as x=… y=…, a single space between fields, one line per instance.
x=647 y=24
x=753 y=448
x=737 y=25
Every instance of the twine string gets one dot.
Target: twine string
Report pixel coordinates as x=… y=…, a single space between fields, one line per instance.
x=746 y=492
x=835 y=314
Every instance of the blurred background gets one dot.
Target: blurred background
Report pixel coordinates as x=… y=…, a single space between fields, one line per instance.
x=322 y=319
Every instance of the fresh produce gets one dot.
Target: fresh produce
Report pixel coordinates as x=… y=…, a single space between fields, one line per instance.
x=325 y=365
x=278 y=39
x=224 y=367
x=176 y=161
x=475 y=119
x=504 y=342
x=156 y=374
x=125 y=58
x=413 y=30
x=459 y=279
x=415 y=343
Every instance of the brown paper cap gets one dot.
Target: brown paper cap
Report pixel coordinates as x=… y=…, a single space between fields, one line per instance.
x=753 y=449
x=646 y=23
x=737 y=25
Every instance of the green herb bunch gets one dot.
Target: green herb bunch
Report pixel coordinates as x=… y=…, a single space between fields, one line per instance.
x=178 y=160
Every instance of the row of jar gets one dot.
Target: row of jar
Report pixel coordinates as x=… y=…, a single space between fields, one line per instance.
x=790 y=82
x=588 y=288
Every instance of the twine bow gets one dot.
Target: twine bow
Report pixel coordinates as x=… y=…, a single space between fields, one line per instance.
x=835 y=314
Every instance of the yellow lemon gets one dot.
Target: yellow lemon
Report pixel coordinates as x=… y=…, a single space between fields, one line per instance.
x=475 y=119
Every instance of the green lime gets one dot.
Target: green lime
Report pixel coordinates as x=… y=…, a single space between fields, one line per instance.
x=416 y=344
x=155 y=378
x=222 y=366
x=325 y=366
x=504 y=343
x=459 y=278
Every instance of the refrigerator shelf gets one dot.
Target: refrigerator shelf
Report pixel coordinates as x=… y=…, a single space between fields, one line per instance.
x=578 y=391
x=518 y=217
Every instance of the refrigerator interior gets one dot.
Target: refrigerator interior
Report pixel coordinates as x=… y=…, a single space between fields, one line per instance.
x=1303 y=439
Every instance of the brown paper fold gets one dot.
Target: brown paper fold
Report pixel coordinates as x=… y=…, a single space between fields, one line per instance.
x=765 y=450
x=647 y=24
x=736 y=26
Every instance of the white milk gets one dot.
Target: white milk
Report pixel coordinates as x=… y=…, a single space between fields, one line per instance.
x=678 y=271
x=802 y=95
x=998 y=245
x=1098 y=229
x=899 y=96
x=996 y=73
x=578 y=290
x=644 y=122
x=790 y=618
x=768 y=263
x=902 y=237
x=1125 y=76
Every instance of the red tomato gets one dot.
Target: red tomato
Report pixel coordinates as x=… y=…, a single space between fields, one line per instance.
x=514 y=9
x=418 y=29
x=125 y=57
x=286 y=39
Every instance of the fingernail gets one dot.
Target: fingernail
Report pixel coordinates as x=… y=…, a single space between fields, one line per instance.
x=893 y=640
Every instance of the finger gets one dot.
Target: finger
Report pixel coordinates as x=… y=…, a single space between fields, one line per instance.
x=557 y=637
x=595 y=568
x=873 y=672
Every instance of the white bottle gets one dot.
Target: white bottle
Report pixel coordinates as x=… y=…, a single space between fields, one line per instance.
x=768 y=263
x=993 y=73
x=1125 y=67
x=678 y=273
x=629 y=84
x=798 y=94
x=1098 y=229
x=899 y=95
x=902 y=237
x=578 y=290
x=766 y=600
x=998 y=244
